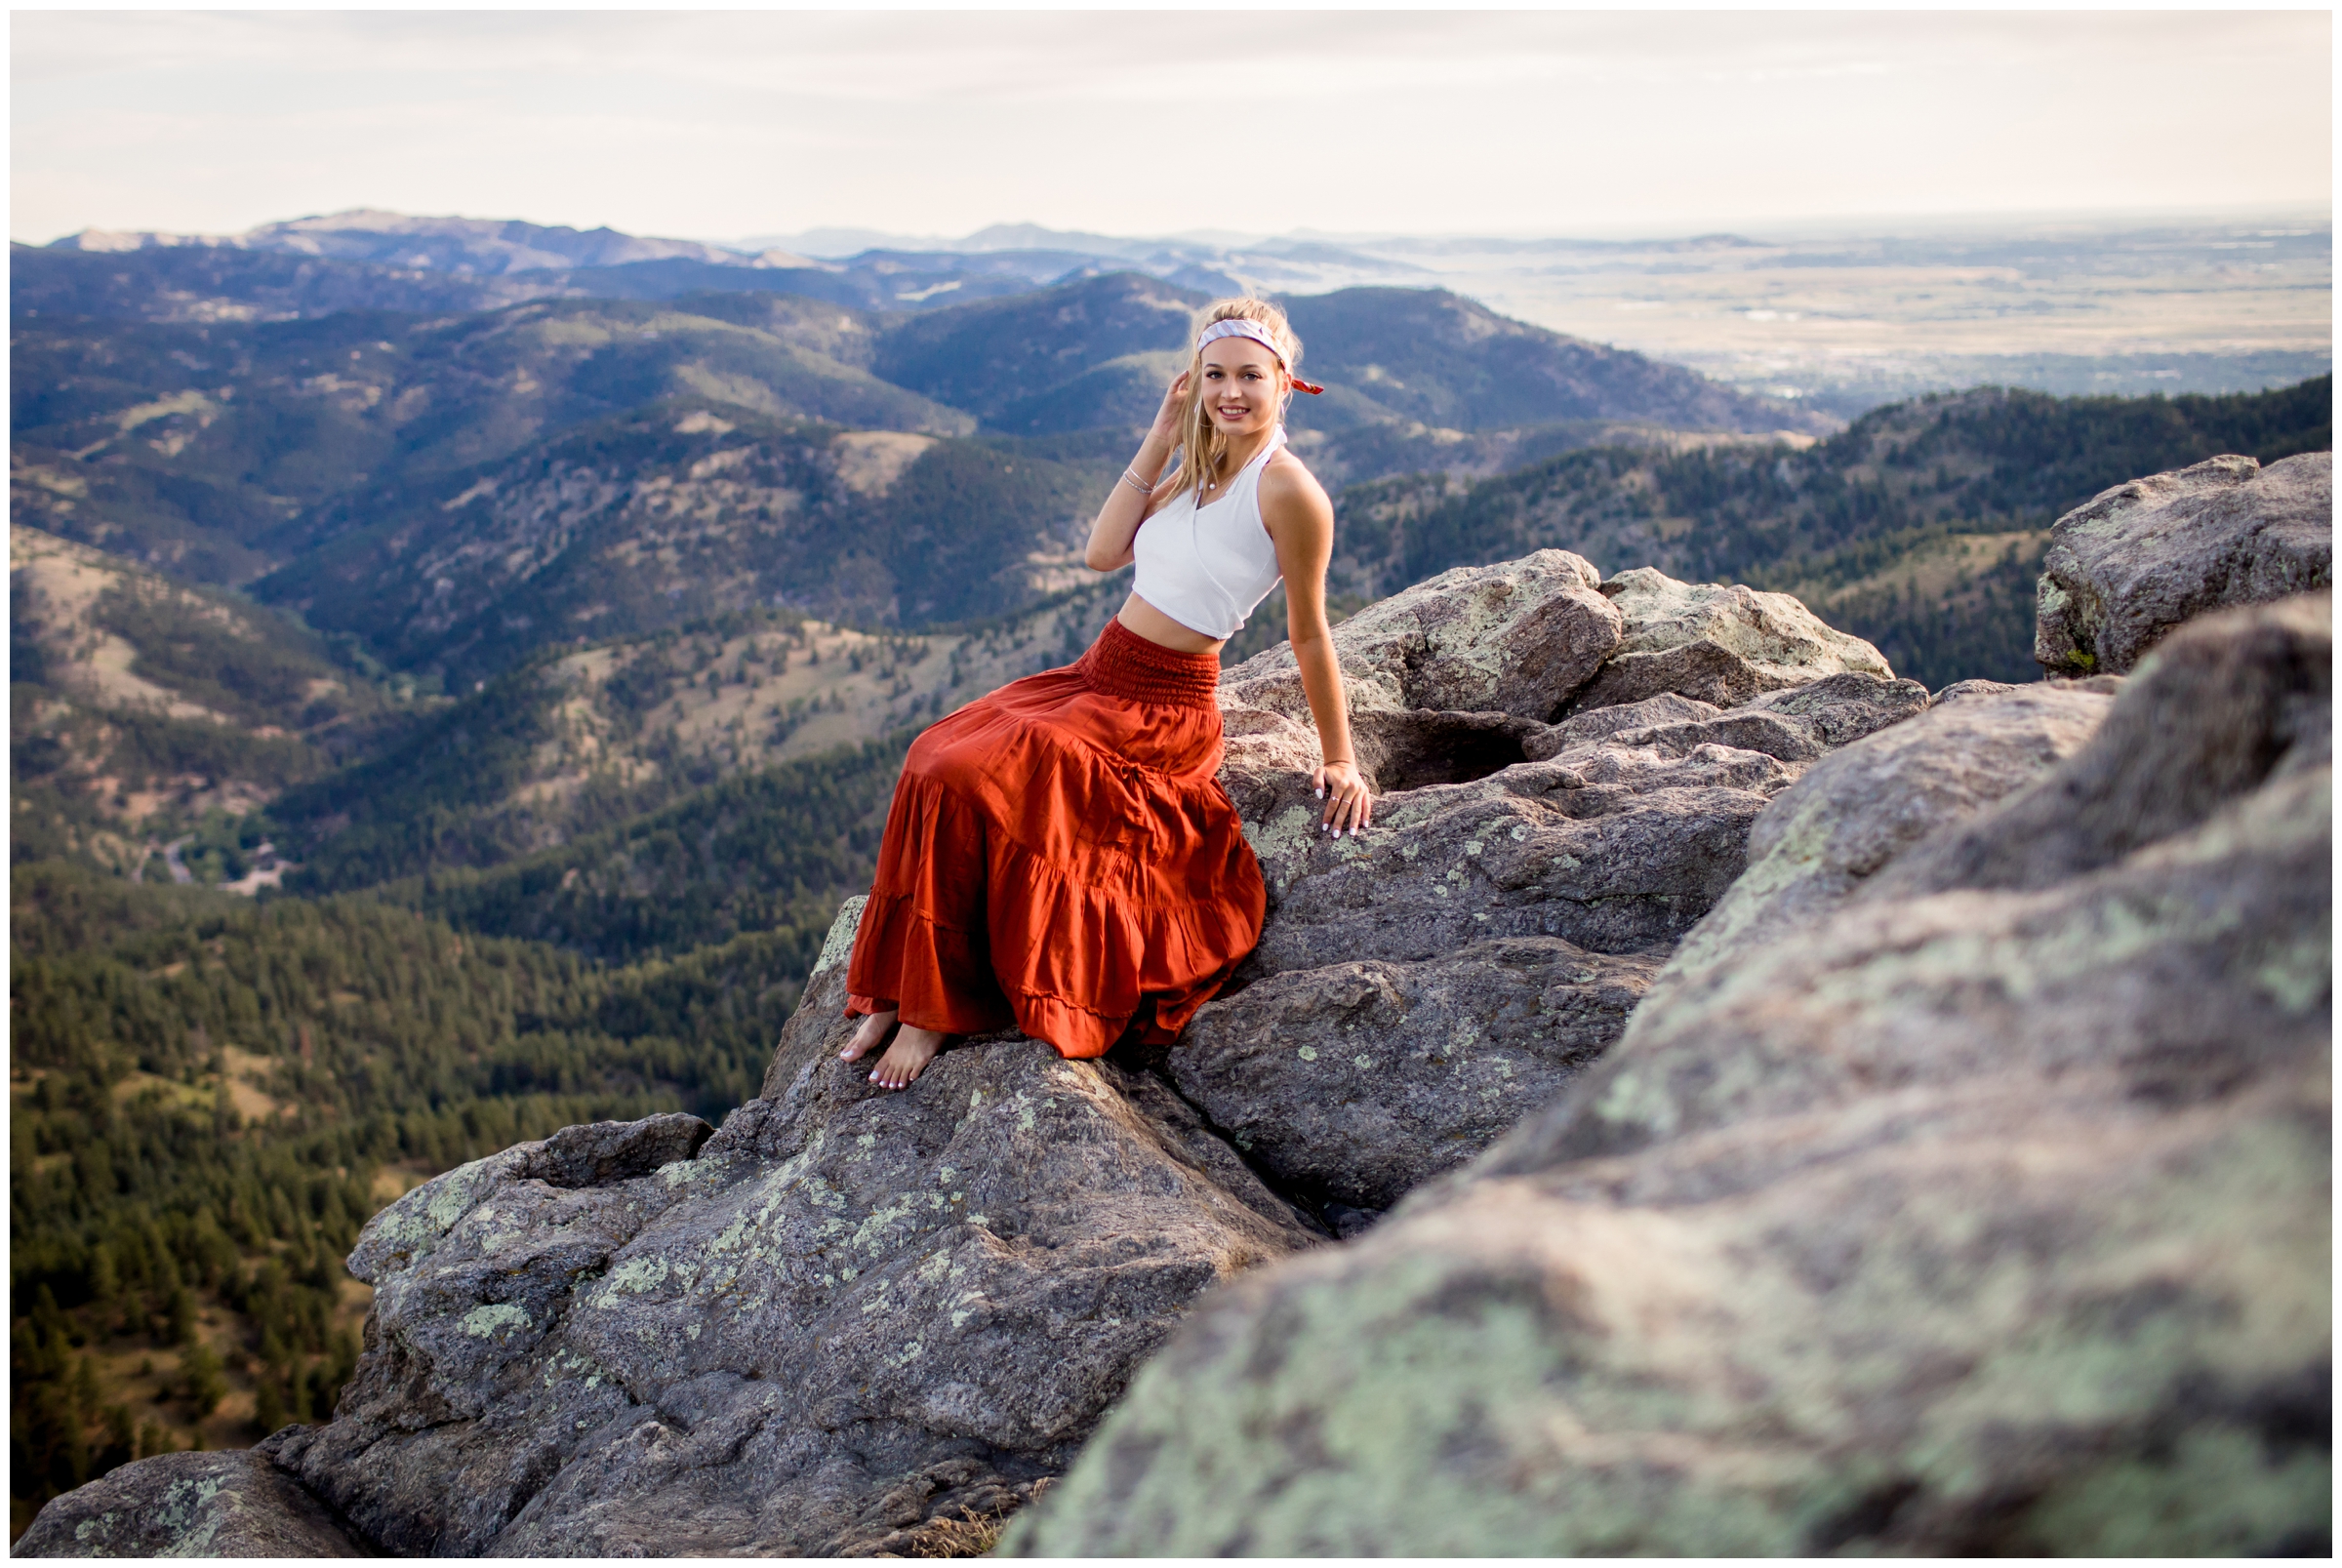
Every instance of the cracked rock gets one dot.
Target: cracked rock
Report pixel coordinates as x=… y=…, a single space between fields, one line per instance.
x=2139 y=559
x=1716 y=644
x=1420 y=988
x=234 y=1505
x=1974 y=1201
x=841 y=1321
x=1356 y=1082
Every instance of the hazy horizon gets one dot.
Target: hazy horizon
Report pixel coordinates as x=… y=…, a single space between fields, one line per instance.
x=1514 y=124
x=1792 y=227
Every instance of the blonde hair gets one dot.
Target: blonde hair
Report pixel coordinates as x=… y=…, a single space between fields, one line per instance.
x=1201 y=446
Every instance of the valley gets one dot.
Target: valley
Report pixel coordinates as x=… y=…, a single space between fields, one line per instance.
x=529 y=635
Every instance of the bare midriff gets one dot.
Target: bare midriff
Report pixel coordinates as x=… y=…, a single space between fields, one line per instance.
x=1159 y=628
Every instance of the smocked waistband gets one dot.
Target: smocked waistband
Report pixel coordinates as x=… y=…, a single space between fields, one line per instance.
x=1123 y=664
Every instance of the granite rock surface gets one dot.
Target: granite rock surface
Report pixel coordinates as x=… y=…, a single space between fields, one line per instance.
x=1716 y=643
x=1355 y=1082
x=1419 y=987
x=2137 y=561
x=1821 y=839
x=232 y=1504
x=842 y=1325
x=1975 y=1199
x=1519 y=637
x=851 y=1321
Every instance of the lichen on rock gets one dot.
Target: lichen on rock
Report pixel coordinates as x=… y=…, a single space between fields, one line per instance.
x=234 y=1505
x=2126 y=566
x=1716 y=643
x=848 y=1316
x=1515 y=638
x=850 y=1320
x=1969 y=1194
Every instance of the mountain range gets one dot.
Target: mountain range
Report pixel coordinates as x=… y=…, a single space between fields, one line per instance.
x=227 y=449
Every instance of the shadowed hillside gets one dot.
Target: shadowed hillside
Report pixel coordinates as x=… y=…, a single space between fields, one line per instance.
x=219 y=450
x=685 y=511
x=132 y=696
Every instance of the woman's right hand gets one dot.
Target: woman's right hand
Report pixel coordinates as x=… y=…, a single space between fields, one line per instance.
x=1167 y=417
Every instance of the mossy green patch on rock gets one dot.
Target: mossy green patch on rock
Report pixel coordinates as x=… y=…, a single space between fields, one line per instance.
x=1971 y=1194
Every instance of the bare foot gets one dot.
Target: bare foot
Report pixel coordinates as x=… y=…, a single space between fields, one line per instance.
x=906 y=1057
x=875 y=1027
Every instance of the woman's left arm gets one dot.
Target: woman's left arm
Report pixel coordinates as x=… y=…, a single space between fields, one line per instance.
x=1301 y=524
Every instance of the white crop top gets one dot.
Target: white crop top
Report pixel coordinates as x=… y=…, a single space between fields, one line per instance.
x=1208 y=567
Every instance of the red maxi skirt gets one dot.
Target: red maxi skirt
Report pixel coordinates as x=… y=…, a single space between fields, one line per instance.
x=1060 y=853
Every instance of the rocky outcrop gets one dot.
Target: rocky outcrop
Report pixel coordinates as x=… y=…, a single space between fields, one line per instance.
x=1826 y=835
x=1515 y=638
x=1421 y=986
x=1969 y=1193
x=2141 y=558
x=1717 y=644
x=235 y=1505
x=1355 y=1082
x=851 y=1320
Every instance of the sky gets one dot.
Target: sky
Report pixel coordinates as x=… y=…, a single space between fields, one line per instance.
x=719 y=125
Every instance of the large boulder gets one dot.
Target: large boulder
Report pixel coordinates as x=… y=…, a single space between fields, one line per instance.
x=1419 y=987
x=1980 y=1203
x=1716 y=643
x=1354 y=1082
x=1824 y=836
x=2137 y=561
x=847 y=1323
x=1517 y=637
x=234 y=1505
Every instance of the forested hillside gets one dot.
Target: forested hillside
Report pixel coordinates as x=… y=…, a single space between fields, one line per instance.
x=686 y=510
x=209 y=1098
x=1919 y=527
x=132 y=695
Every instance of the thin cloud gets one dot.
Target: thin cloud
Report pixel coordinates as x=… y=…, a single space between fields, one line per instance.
x=724 y=123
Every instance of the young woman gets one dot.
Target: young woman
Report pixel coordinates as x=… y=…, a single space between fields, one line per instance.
x=1059 y=855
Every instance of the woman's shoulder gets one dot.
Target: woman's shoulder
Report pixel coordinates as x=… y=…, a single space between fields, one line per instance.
x=1285 y=477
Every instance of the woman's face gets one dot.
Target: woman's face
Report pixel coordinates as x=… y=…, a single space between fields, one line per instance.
x=1242 y=386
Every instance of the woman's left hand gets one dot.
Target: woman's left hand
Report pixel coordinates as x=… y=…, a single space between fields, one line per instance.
x=1347 y=805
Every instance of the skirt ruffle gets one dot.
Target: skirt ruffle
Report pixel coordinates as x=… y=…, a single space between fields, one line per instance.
x=1060 y=857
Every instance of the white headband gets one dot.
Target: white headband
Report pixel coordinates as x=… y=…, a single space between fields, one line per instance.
x=1239 y=326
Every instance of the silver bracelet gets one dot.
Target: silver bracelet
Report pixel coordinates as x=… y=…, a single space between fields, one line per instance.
x=1131 y=478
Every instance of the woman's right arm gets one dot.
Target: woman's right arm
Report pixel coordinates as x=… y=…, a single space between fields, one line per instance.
x=1117 y=529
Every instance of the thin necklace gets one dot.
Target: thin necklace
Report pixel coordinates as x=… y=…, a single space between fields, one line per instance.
x=1213 y=485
